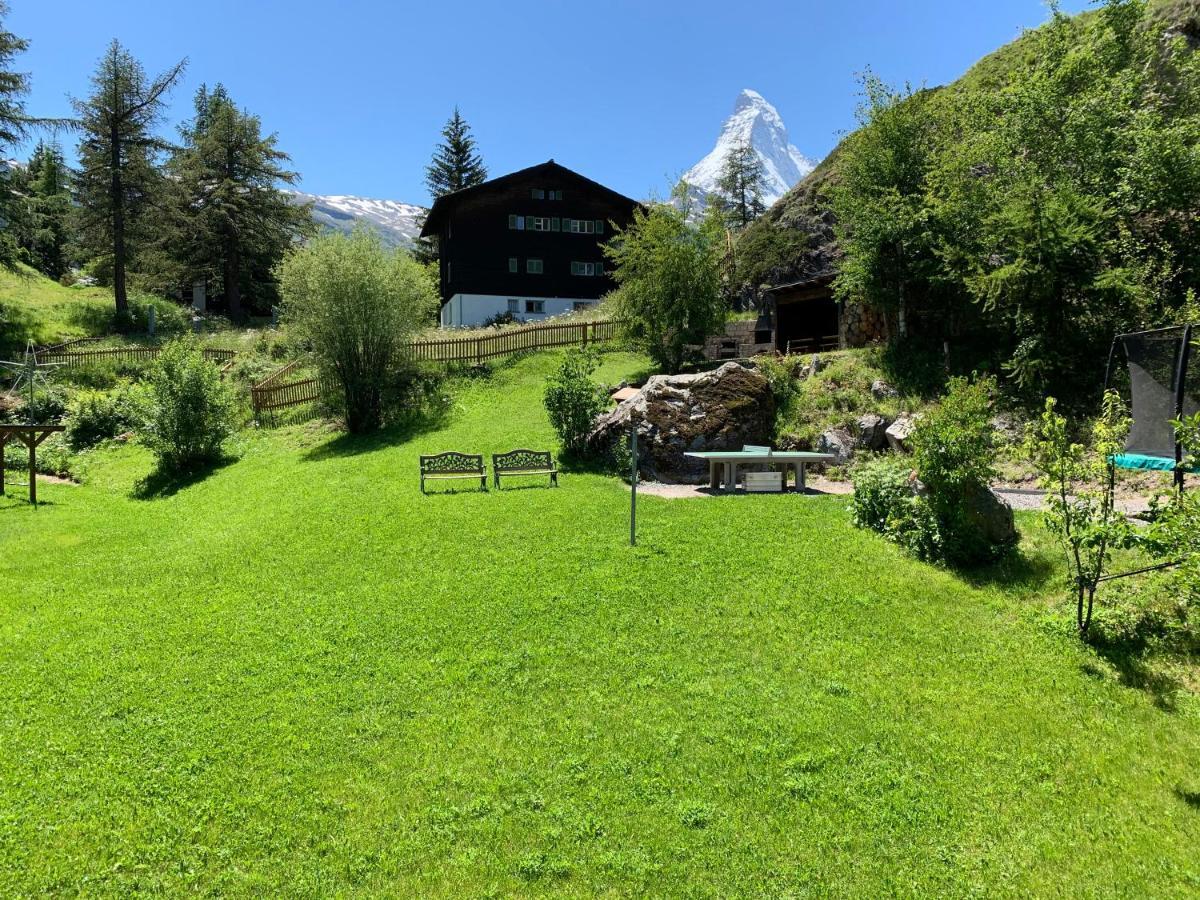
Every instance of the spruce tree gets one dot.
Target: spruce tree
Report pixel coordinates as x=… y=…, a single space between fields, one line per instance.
x=740 y=186
x=234 y=222
x=46 y=186
x=118 y=155
x=456 y=164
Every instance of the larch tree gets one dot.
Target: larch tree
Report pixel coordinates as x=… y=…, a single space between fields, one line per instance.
x=14 y=125
x=235 y=221
x=118 y=154
x=740 y=186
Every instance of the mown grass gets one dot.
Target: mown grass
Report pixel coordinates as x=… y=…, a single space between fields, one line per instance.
x=298 y=675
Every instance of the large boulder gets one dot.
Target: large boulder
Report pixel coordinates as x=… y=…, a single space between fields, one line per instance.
x=717 y=410
x=872 y=432
x=837 y=441
x=992 y=516
x=881 y=390
x=898 y=433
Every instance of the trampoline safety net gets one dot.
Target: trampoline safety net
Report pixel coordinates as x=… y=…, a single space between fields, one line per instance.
x=1151 y=372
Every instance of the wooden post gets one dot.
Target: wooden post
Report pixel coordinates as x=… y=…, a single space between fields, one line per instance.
x=633 y=480
x=32 y=469
x=3 y=441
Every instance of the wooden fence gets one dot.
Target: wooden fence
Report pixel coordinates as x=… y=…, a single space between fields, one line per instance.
x=65 y=355
x=274 y=392
x=505 y=343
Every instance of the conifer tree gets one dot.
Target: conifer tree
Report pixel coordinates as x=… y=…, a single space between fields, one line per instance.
x=456 y=165
x=233 y=220
x=46 y=186
x=118 y=157
x=13 y=127
x=740 y=186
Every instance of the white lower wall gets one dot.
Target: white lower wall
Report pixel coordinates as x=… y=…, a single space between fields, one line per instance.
x=474 y=309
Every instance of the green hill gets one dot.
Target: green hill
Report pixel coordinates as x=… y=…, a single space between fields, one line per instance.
x=39 y=309
x=795 y=238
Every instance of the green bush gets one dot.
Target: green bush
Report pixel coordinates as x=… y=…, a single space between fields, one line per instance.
x=955 y=458
x=190 y=409
x=95 y=416
x=934 y=511
x=886 y=500
x=356 y=303
x=49 y=405
x=573 y=400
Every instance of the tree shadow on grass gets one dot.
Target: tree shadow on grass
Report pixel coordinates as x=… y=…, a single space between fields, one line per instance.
x=161 y=483
x=1191 y=798
x=399 y=432
x=1133 y=663
x=1021 y=570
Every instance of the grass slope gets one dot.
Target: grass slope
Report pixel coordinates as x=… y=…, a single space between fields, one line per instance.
x=299 y=675
x=34 y=307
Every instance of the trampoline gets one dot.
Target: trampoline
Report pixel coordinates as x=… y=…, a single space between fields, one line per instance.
x=1151 y=372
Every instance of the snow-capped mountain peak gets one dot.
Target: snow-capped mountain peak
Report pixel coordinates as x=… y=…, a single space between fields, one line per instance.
x=398 y=223
x=758 y=123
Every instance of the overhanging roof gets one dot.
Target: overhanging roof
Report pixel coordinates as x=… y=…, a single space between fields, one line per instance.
x=443 y=205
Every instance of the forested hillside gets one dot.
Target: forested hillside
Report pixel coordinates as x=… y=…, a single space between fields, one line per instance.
x=1021 y=215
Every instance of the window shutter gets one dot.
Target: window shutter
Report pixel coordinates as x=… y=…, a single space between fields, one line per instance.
x=512 y=221
x=599 y=226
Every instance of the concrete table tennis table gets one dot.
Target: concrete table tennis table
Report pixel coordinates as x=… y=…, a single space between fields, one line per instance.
x=723 y=464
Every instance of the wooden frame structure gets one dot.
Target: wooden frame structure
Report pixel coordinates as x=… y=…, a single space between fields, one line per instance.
x=31 y=436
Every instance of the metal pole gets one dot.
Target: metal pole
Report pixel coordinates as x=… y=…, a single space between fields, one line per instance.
x=633 y=480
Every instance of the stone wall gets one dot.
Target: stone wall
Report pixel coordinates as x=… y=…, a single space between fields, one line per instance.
x=860 y=325
x=741 y=332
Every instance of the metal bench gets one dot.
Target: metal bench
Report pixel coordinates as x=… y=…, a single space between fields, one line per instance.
x=524 y=462
x=452 y=465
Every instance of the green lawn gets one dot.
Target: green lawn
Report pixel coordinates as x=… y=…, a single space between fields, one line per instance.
x=300 y=676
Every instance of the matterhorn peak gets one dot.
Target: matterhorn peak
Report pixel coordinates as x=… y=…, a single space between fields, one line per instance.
x=755 y=122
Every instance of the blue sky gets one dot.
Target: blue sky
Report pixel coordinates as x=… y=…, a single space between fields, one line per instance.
x=629 y=92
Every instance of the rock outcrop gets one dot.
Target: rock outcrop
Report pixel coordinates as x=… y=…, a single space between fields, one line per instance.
x=717 y=410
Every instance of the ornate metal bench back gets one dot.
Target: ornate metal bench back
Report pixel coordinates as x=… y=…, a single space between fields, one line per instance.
x=452 y=463
x=522 y=459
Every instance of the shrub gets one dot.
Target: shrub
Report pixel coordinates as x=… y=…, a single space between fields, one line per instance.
x=356 y=303
x=190 y=409
x=955 y=459
x=935 y=511
x=95 y=416
x=669 y=272
x=573 y=400
x=49 y=405
x=886 y=500
x=1084 y=519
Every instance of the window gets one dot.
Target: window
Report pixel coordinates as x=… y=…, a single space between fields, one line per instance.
x=539 y=194
x=514 y=305
x=533 y=266
x=535 y=306
x=555 y=195
x=537 y=223
x=587 y=268
x=580 y=304
x=512 y=264
x=517 y=222
x=580 y=226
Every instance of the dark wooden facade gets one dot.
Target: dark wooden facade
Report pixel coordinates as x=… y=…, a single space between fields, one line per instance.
x=478 y=239
x=807 y=317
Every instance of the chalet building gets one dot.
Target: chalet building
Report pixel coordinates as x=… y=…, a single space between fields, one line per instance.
x=526 y=243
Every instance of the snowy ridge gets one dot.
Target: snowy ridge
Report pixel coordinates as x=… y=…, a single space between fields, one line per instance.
x=757 y=122
x=398 y=223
